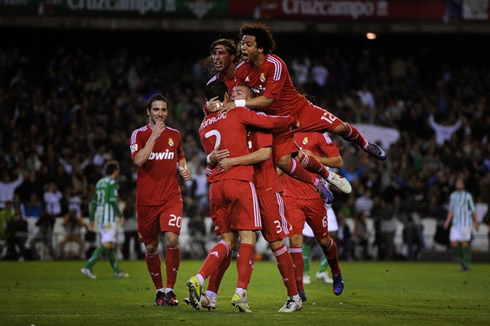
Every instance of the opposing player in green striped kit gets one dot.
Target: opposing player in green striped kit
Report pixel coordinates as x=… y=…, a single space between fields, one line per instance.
x=463 y=214
x=105 y=204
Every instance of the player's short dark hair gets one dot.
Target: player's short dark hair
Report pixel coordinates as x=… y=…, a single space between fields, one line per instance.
x=251 y=92
x=153 y=98
x=228 y=44
x=110 y=167
x=216 y=88
x=262 y=33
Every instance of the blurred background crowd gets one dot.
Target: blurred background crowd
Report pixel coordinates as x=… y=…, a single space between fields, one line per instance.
x=68 y=109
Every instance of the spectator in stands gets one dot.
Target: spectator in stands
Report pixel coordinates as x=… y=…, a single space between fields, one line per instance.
x=52 y=200
x=16 y=237
x=6 y=214
x=34 y=207
x=385 y=215
x=444 y=130
x=31 y=185
x=361 y=234
x=73 y=224
x=44 y=235
x=7 y=187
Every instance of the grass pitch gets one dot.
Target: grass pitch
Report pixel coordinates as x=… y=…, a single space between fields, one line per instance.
x=377 y=293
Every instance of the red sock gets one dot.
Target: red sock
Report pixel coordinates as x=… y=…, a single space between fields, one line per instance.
x=218 y=253
x=217 y=275
x=314 y=166
x=299 y=266
x=154 y=265
x=172 y=262
x=332 y=258
x=355 y=136
x=297 y=171
x=285 y=265
x=245 y=264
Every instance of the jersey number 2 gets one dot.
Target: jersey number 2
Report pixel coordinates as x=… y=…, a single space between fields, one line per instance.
x=175 y=221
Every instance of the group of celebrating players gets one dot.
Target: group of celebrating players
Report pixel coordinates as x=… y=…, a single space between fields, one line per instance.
x=246 y=193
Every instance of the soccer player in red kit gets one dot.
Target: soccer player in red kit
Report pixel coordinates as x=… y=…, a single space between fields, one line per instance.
x=275 y=225
x=157 y=151
x=224 y=58
x=233 y=202
x=304 y=205
x=269 y=78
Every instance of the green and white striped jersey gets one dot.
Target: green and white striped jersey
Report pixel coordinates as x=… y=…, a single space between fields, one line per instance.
x=461 y=203
x=104 y=202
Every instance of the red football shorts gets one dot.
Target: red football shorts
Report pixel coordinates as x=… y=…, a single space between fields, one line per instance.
x=312 y=118
x=234 y=206
x=312 y=211
x=152 y=220
x=275 y=224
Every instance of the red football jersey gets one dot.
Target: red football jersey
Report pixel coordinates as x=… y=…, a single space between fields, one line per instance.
x=266 y=178
x=228 y=130
x=272 y=80
x=230 y=83
x=158 y=176
x=320 y=145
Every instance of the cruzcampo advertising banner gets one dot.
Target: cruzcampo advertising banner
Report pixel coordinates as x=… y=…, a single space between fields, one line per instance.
x=117 y=8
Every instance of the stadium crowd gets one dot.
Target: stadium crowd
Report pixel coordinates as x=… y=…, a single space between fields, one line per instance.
x=66 y=112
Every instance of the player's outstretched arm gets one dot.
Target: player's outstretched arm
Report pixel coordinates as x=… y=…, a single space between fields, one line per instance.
x=264 y=121
x=257 y=156
x=251 y=103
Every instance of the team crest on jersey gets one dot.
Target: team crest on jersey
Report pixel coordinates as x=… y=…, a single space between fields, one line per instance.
x=305 y=140
x=134 y=148
x=171 y=142
x=262 y=77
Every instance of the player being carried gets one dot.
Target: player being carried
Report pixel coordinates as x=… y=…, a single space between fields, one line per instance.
x=268 y=76
x=223 y=58
x=233 y=202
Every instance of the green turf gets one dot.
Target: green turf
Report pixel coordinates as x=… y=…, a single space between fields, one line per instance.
x=379 y=293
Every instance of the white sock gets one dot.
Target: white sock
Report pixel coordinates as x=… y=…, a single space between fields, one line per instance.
x=161 y=290
x=240 y=291
x=200 y=279
x=167 y=290
x=211 y=294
